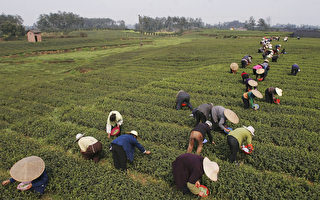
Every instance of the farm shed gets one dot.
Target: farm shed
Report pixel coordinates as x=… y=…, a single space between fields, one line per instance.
x=34 y=36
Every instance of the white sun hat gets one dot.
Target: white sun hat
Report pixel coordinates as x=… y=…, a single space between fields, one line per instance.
x=133 y=132
x=209 y=123
x=211 y=169
x=78 y=136
x=249 y=128
x=279 y=91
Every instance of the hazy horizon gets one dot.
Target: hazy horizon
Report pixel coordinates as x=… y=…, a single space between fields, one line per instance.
x=210 y=11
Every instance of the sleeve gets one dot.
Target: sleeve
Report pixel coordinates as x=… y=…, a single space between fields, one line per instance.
x=214 y=115
x=139 y=146
x=221 y=122
x=108 y=128
x=193 y=188
x=209 y=135
x=43 y=179
x=250 y=99
x=12 y=180
x=120 y=119
x=249 y=139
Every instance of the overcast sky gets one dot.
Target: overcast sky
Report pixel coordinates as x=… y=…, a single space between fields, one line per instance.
x=210 y=11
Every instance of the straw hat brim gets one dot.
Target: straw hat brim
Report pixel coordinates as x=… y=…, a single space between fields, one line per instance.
x=260 y=71
x=279 y=91
x=253 y=83
x=257 y=94
x=27 y=169
x=231 y=116
x=234 y=66
x=211 y=169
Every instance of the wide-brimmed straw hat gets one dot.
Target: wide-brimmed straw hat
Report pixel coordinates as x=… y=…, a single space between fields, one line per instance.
x=260 y=71
x=211 y=169
x=279 y=91
x=234 y=66
x=266 y=60
x=253 y=83
x=231 y=116
x=257 y=93
x=78 y=136
x=249 y=128
x=27 y=169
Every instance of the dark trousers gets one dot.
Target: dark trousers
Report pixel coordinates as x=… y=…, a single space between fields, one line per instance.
x=234 y=147
x=93 y=152
x=245 y=77
x=245 y=102
x=294 y=71
x=199 y=116
x=119 y=157
x=268 y=96
x=243 y=63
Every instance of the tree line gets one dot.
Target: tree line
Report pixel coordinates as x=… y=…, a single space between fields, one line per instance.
x=149 y=24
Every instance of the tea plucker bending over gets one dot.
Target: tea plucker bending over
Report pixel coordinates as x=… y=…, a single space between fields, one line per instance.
x=271 y=92
x=238 y=137
x=188 y=169
x=123 y=149
x=183 y=99
x=114 y=119
x=202 y=112
x=90 y=147
x=220 y=115
x=199 y=133
x=31 y=172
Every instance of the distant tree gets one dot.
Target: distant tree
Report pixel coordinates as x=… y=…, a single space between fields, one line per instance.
x=250 y=24
x=262 y=24
x=61 y=21
x=11 y=26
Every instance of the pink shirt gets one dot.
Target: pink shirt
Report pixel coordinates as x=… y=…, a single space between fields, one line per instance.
x=257 y=67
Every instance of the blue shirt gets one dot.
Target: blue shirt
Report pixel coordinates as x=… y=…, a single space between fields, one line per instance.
x=128 y=143
x=295 y=66
x=38 y=184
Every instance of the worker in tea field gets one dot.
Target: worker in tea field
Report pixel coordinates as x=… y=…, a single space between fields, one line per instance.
x=220 y=115
x=90 y=147
x=295 y=69
x=251 y=84
x=270 y=95
x=265 y=65
x=234 y=68
x=123 y=149
x=188 y=169
x=237 y=138
x=198 y=134
x=182 y=100
x=248 y=99
x=31 y=172
x=114 y=122
x=202 y=112
x=244 y=76
x=246 y=60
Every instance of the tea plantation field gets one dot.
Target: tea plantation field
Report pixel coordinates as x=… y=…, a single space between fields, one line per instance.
x=53 y=90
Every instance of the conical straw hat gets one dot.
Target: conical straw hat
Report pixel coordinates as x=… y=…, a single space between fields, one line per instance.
x=257 y=93
x=260 y=71
x=253 y=83
x=27 y=169
x=231 y=116
x=234 y=66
